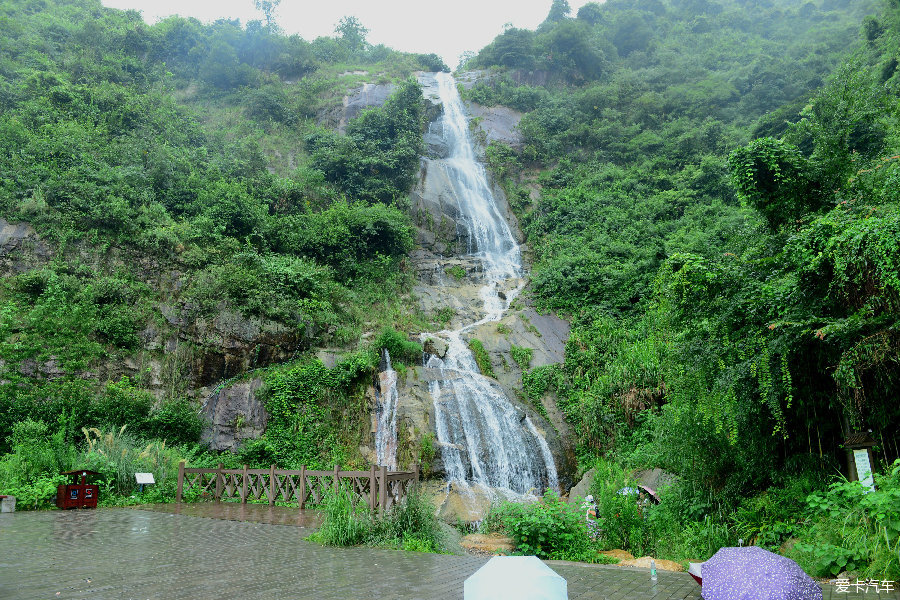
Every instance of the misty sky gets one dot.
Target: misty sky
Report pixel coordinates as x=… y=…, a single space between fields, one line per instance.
x=448 y=28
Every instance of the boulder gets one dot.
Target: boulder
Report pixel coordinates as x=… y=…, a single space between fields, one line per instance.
x=654 y=479
x=436 y=347
x=233 y=415
x=459 y=502
x=20 y=248
x=582 y=488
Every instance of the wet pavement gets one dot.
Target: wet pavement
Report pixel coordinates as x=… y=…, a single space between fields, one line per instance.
x=236 y=511
x=119 y=553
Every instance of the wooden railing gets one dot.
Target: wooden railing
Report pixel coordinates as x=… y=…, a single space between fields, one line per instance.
x=379 y=488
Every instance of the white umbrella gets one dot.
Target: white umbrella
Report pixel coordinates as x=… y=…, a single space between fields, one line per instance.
x=515 y=578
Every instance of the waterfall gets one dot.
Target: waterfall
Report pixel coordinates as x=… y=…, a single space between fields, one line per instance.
x=484 y=438
x=386 y=431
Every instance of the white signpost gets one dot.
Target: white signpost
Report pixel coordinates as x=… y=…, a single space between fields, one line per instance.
x=864 y=469
x=143 y=478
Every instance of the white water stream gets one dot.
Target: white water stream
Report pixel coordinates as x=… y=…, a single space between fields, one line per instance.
x=485 y=440
x=386 y=432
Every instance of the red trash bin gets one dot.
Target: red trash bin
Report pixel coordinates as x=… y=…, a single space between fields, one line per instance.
x=79 y=494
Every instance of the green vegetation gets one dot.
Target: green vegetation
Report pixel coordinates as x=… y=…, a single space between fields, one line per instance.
x=550 y=529
x=482 y=359
x=186 y=194
x=411 y=525
x=522 y=356
x=313 y=413
x=721 y=228
x=30 y=472
x=850 y=530
x=399 y=347
x=457 y=272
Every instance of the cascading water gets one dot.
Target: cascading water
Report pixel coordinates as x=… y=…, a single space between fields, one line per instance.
x=386 y=431
x=485 y=440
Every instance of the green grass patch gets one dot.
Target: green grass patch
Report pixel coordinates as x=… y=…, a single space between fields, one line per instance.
x=456 y=272
x=522 y=356
x=481 y=357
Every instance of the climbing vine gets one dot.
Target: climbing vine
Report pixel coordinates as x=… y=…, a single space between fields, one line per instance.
x=311 y=407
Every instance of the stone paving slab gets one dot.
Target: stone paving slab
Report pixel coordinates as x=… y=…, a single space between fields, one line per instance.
x=142 y=555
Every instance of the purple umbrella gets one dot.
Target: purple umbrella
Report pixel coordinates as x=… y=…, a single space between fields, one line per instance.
x=752 y=573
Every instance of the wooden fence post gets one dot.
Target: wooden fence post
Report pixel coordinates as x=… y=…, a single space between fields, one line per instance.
x=244 y=487
x=416 y=473
x=337 y=479
x=219 y=481
x=272 y=486
x=382 y=489
x=373 y=486
x=302 y=497
x=180 y=481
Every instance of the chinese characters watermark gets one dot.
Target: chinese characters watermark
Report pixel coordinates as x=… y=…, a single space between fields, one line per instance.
x=844 y=586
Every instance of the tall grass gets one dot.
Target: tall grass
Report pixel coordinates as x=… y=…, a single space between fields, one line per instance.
x=348 y=521
x=119 y=456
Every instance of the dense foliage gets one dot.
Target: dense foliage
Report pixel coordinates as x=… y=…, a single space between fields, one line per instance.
x=721 y=226
x=177 y=174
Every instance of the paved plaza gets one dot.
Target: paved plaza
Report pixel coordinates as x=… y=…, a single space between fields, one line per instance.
x=151 y=555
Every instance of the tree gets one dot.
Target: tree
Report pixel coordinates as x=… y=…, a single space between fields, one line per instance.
x=268 y=7
x=464 y=59
x=513 y=48
x=631 y=33
x=591 y=13
x=772 y=176
x=353 y=34
x=559 y=11
x=571 y=48
x=432 y=62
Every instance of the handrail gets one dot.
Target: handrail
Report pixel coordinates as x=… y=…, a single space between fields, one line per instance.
x=379 y=487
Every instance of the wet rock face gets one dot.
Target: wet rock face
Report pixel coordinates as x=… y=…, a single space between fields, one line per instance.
x=499 y=123
x=232 y=344
x=234 y=414
x=20 y=248
x=436 y=347
x=367 y=95
x=183 y=352
x=434 y=202
x=451 y=288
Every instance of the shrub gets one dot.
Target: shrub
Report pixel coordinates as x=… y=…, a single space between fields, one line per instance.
x=176 y=422
x=31 y=471
x=549 y=529
x=457 y=272
x=399 y=348
x=412 y=523
x=482 y=359
x=620 y=519
x=853 y=530
x=121 y=403
x=522 y=356
x=346 y=520
x=118 y=456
